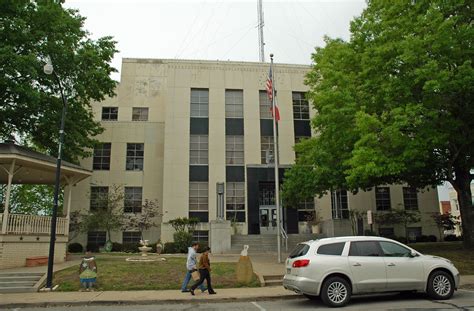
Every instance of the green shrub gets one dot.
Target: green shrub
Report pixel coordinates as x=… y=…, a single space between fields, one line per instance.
x=452 y=237
x=75 y=248
x=130 y=247
x=117 y=247
x=93 y=247
x=182 y=241
x=169 y=248
x=432 y=238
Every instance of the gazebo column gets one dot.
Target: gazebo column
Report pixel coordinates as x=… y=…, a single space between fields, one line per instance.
x=10 y=173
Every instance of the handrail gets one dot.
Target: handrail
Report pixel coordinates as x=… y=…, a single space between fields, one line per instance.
x=35 y=224
x=284 y=235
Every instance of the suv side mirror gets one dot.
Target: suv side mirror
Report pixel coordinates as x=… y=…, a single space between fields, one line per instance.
x=413 y=254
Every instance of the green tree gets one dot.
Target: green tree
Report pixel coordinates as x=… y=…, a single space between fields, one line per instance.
x=394 y=103
x=398 y=216
x=30 y=105
x=445 y=221
x=30 y=199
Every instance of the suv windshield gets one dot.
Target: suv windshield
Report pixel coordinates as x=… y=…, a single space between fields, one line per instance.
x=300 y=250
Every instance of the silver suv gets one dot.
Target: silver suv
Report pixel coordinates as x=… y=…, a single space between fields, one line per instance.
x=337 y=268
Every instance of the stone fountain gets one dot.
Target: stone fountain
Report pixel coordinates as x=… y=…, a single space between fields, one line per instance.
x=144 y=249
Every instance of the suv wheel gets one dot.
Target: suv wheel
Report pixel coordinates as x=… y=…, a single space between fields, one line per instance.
x=440 y=285
x=336 y=292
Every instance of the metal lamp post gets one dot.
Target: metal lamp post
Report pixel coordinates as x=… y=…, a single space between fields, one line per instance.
x=49 y=69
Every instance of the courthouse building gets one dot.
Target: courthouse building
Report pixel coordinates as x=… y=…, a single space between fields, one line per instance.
x=178 y=127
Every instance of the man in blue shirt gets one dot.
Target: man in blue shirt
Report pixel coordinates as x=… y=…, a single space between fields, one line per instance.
x=191 y=265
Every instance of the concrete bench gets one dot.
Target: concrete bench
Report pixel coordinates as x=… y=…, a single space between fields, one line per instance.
x=36 y=261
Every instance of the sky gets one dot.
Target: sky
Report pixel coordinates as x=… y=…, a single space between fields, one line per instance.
x=219 y=29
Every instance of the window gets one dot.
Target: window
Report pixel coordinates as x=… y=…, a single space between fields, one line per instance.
x=332 y=249
x=300 y=250
x=306 y=211
x=234 y=149
x=387 y=232
x=365 y=248
x=234 y=104
x=109 y=113
x=198 y=149
x=101 y=161
x=96 y=238
x=199 y=103
x=394 y=250
x=307 y=204
x=265 y=105
x=131 y=237
x=198 y=196
x=235 y=201
x=267 y=149
x=300 y=106
x=410 y=198
x=382 y=198
x=339 y=204
x=139 y=114
x=135 y=153
x=99 y=198
x=133 y=200
x=201 y=236
x=413 y=233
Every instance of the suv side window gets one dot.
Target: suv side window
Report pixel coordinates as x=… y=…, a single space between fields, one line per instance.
x=394 y=250
x=300 y=250
x=365 y=248
x=331 y=249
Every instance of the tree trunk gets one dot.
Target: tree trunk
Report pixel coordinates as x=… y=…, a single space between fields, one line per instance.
x=462 y=184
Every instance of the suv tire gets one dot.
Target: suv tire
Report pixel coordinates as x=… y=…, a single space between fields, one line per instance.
x=336 y=292
x=440 y=285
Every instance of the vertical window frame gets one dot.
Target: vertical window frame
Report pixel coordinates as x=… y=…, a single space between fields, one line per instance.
x=133 y=200
x=135 y=157
x=140 y=114
x=199 y=103
x=234 y=103
x=198 y=196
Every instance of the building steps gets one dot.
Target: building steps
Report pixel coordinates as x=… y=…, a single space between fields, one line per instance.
x=19 y=282
x=273 y=280
x=266 y=243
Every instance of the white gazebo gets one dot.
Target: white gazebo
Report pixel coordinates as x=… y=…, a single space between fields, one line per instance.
x=25 y=236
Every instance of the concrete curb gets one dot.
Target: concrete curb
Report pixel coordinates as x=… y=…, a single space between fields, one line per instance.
x=144 y=302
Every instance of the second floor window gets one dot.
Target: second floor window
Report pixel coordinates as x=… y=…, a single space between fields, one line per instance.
x=234 y=149
x=300 y=106
x=410 y=198
x=135 y=154
x=139 y=114
x=382 y=198
x=199 y=103
x=198 y=149
x=267 y=149
x=133 y=200
x=101 y=160
x=99 y=197
x=235 y=196
x=198 y=196
x=109 y=113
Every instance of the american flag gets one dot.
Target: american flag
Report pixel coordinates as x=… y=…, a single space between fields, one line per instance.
x=269 y=88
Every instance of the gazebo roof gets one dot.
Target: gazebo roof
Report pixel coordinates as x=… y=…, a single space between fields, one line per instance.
x=32 y=167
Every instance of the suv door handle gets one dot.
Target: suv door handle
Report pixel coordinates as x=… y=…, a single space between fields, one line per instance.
x=357 y=264
x=391 y=264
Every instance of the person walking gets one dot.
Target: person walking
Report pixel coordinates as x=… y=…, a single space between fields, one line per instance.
x=204 y=266
x=191 y=266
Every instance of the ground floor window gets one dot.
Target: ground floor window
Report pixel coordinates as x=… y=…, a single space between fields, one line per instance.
x=201 y=236
x=413 y=233
x=235 y=216
x=131 y=237
x=386 y=232
x=96 y=239
x=339 y=204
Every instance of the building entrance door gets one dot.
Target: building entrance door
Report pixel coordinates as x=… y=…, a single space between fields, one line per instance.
x=268 y=219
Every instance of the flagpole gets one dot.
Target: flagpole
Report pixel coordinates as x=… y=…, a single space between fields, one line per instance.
x=277 y=179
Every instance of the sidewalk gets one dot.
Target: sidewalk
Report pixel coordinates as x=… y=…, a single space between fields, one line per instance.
x=44 y=299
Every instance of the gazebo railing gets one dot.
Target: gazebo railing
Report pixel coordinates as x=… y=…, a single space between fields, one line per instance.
x=33 y=224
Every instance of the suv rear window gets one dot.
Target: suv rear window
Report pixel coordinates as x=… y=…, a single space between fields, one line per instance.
x=331 y=249
x=300 y=250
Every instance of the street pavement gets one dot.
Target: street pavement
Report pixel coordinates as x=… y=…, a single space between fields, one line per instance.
x=462 y=300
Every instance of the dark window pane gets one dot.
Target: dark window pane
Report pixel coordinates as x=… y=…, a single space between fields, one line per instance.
x=300 y=250
x=109 y=113
x=331 y=249
x=382 y=198
x=365 y=248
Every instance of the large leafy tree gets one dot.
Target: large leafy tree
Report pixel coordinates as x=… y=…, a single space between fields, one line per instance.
x=395 y=104
x=30 y=105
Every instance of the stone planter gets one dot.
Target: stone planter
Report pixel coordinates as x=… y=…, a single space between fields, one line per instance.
x=315 y=229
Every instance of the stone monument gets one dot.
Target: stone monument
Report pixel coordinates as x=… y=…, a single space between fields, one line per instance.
x=244 y=271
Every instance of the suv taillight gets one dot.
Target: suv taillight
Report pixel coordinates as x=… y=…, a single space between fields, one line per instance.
x=300 y=263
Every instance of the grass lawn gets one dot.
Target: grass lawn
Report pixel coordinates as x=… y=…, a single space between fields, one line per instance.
x=463 y=259
x=118 y=274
